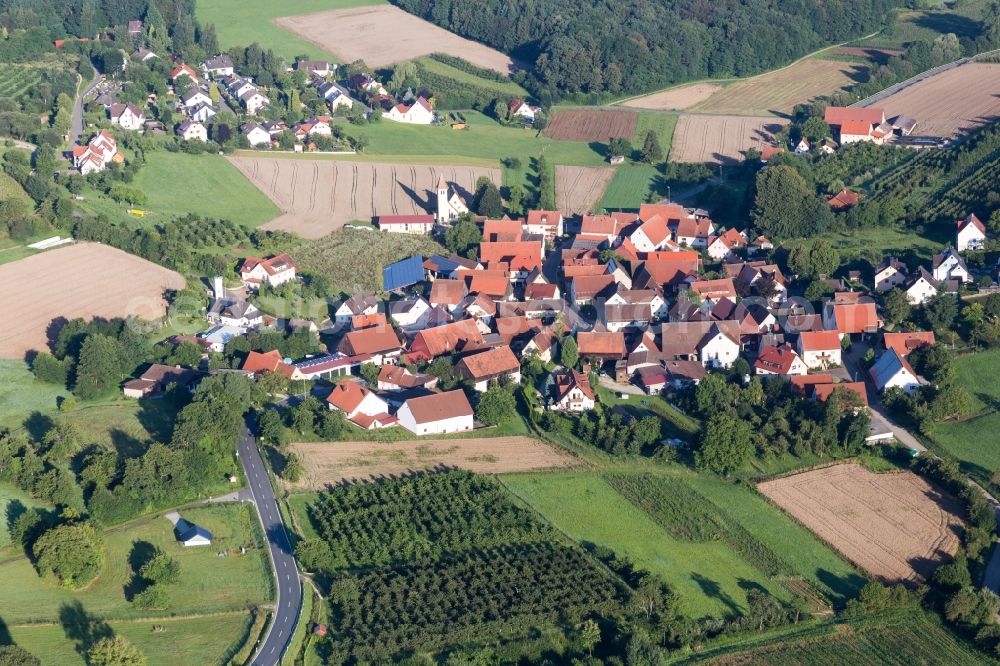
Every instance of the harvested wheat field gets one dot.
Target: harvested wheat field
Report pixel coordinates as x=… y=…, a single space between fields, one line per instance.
x=329 y=462
x=720 y=139
x=578 y=189
x=895 y=526
x=383 y=35
x=589 y=125
x=83 y=280
x=951 y=102
x=317 y=197
x=676 y=99
x=780 y=90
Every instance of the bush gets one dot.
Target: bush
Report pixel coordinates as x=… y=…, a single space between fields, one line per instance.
x=73 y=553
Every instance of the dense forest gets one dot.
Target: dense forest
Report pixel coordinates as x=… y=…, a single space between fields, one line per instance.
x=578 y=46
x=85 y=18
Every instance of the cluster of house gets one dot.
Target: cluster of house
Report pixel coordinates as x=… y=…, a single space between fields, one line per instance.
x=859 y=124
x=96 y=154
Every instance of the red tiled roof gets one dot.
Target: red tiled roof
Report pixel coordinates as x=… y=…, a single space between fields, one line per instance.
x=776 y=359
x=447 y=292
x=488 y=364
x=801 y=383
x=374 y=340
x=655 y=229
x=601 y=343
x=971 y=220
x=566 y=381
x=856 y=317
x=537 y=291
x=714 y=289
x=490 y=283
x=669 y=211
x=588 y=286
x=822 y=392
x=447 y=338
x=389 y=220
x=347 y=395
x=819 y=340
x=838 y=115
x=363 y=321
x=439 y=406
x=692 y=228
x=856 y=128
x=843 y=199
x=904 y=343
x=505 y=230
x=267 y=362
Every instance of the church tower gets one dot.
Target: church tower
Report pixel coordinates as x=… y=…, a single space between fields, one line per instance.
x=443 y=207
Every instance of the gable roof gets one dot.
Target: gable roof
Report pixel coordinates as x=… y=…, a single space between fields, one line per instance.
x=456 y=336
x=855 y=128
x=838 y=115
x=887 y=366
x=347 y=395
x=447 y=292
x=488 y=364
x=567 y=381
x=856 y=317
x=843 y=199
x=601 y=343
x=823 y=391
x=686 y=338
x=778 y=360
x=439 y=406
x=819 y=340
x=267 y=362
x=403 y=273
x=904 y=343
x=973 y=221
x=373 y=340
x=403 y=378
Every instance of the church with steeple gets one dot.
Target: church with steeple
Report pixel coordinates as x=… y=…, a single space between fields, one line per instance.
x=450 y=204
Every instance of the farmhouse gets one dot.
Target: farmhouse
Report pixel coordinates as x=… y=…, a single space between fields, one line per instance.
x=843 y=200
x=518 y=108
x=271 y=272
x=725 y=245
x=572 y=392
x=970 y=234
x=462 y=335
x=397 y=378
x=712 y=343
x=602 y=345
x=406 y=224
x=893 y=371
x=857 y=124
x=437 y=414
x=417 y=113
x=820 y=349
x=485 y=366
x=360 y=405
x=850 y=318
x=157 y=379
x=239 y=314
x=379 y=341
x=357 y=304
x=127 y=116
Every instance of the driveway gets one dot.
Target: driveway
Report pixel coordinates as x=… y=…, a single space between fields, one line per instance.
x=76 y=125
x=288 y=587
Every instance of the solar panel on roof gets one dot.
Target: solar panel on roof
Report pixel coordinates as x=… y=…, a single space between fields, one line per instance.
x=403 y=273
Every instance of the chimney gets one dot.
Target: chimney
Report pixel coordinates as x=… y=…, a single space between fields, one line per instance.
x=218 y=288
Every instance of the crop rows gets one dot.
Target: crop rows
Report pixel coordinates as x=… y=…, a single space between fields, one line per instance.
x=15 y=81
x=420 y=517
x=688 y=515
x=473 y=596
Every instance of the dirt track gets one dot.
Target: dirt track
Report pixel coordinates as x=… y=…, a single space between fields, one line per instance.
x=720 y=139
x=578 y=189
x=945 y=104
x=82 y=280
x=317 y=197
x=329 y=462
x=384 y=35
x=896 y=526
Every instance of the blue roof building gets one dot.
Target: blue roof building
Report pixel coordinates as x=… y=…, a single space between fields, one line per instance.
x=403 y=274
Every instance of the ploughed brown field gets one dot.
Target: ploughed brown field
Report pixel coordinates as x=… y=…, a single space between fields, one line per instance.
x=721 y=139
x=317 y=197
x=591 y=125
x=895 y=526
x=578 y=189
x=82 y=280
x=675 y=98
x=951 y=102
x=383 y=35
x=330 y=462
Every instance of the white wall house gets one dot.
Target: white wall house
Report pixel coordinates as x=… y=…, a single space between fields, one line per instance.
x=718 y=351
x=820 y=349
x=892 y=371
x=970 y=234
x=418 y=113
x=437 y=414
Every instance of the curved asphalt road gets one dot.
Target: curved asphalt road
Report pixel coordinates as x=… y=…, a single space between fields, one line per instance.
x=288 y=587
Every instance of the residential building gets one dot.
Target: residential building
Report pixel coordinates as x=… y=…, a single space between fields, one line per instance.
x=781 y=360
x=271 y=272
x=949 y=265
x=970 y=234
x=893 y=371
x=437 y=414
x=572 y=392
x=417 y=113
x=406 y=224
x=483 y=367
x=192 y=130
x=820 y=349
x=127 y=116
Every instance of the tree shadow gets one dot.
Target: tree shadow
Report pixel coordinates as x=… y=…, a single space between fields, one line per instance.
x=142 y=552
x=37 y=424
x=15 y=509
x=710 y=588
x=126 y=445
x=5 y=638
x=82 y=628
x=945 y=22
x=157 y=416
x=52 y=331
x=841 y=587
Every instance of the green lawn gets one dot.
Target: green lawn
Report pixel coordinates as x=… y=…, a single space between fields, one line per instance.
x=851 y=244
x=974 y=441
x=242 y=22
x=21 y=394
x=503 y=89
x=208 y=583
x=13 y=502
x=661 y=123
x=201 y=641
x=632 y=186
x=707 y=576
x=912 y=25
x=673 y=423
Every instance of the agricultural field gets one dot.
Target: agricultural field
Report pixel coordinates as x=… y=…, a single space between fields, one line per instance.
x=591 y=125
x=632 y=185
x=899 y=639
x=242 y=22
x=21 y=394
x=772 y=93
x=317 y=197
x=39 y=289
x=383 y=35
x=721 y=139
x=17 y=80
x=895 y=526
x=353 y=259
x=951 y=103
x=578 y=189
x=503 y=89
x=706 y=575
x=332 y=462
x=972 y=441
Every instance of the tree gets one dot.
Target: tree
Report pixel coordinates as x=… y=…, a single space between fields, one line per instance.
x=487 y=199
x=726 y=444
x=619 y=147
x=72 y=552
x=161 y=568
x=515 y=200
x=652 y=152
x=463 y=237
x=293 y=468
x=823 y=258
x=49 y=369
x=369 y=371
x=153 y=596
x=896 y=306
x=940 y=311
x=98 y=370
x=569 y=353
x=785 y=206
x=815 y=129
x=589 y=634
x=115 y=651
x=496 y=405
x=15 y=655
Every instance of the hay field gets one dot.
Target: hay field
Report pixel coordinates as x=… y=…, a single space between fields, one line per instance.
x=82 y=280
x=780 y=90
x=592 y=125
x=578 y=189
x=317 y=197
x=951 y=102
x=330 y=462
x=384 y=35
x=675 y=99
x=895 y=526
x=721 y=139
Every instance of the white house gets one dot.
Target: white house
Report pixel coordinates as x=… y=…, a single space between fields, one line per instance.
x=949 y=265
x=483 y=367
x=253 y=101
x=194 y=97
x=781 y=360
x=202 y=113
x=272 y=272
x=890 y=273
x=355 y=400
x=217 y=337
x=893 y=371
x=192 y=130
x=724 y=245
x=651 y=235
x=406 y=224
x=572 y=392
x=694 y=232
x=319 y=68
x=255 y=134
x=127 y=116
x=418 y=113
x=718 y=349
x=335 y=95
x=239 y=87
x=191 y=535
x=820 y=349
x=409 y=312
x=359 y=304
x=95 y=155
x=970 y=234
x=921 y=287
x=450 y=204
x=238 y=314
x=437 y=414
x=520 y=109
x=220 y=65
x=802 y=146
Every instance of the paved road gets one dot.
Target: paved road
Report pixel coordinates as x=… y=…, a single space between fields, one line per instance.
x=288 y=587
x=76 y=126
